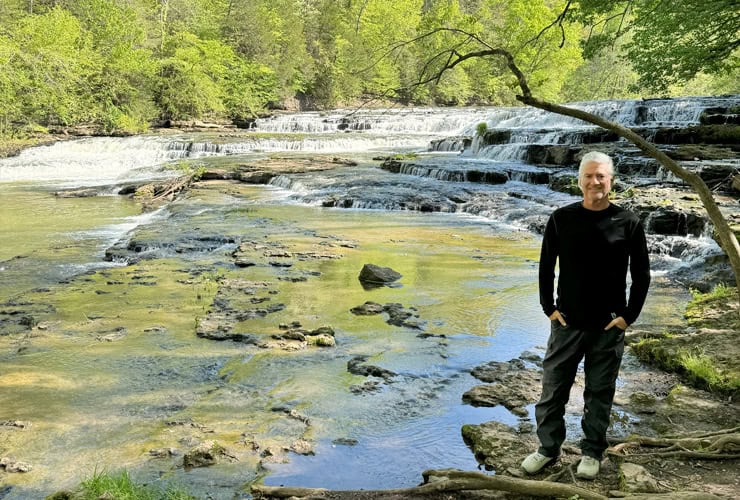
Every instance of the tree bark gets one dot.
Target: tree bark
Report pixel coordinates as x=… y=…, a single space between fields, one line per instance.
x=450 y=480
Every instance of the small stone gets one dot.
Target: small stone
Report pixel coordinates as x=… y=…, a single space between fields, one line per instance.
x=164 y=452
x=637 y=479
x=302 y=447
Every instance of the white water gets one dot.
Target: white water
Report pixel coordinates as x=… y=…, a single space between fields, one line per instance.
x=109 y=160
x=90 y=161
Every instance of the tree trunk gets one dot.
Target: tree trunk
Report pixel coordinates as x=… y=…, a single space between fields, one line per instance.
x=728 y=240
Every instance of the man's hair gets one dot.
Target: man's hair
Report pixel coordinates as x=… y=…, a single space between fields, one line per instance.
x=596 y=157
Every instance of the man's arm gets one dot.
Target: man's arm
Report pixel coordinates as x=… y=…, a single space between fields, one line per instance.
x=640 y=273
x=548 y=257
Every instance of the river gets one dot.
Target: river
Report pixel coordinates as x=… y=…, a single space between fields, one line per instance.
x=112 y=368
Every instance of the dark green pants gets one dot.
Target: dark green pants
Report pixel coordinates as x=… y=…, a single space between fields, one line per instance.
x=602 y=354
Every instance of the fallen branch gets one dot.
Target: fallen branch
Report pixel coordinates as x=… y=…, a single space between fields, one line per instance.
x=447 y=481
x=151 y=194
x=692 y=454
x=718 y=445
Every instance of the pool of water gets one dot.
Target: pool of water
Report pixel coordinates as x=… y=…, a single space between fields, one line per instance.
x=115 y=360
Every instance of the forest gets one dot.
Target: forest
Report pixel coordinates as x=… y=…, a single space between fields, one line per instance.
x=122 y=66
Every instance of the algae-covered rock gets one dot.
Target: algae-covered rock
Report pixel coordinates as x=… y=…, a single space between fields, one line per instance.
x=205 y=454
x=497 y=446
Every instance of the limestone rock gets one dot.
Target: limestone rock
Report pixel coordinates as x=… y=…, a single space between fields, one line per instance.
x=378 y=275
x=496 y=446
x=205 y=454
x=11 y=465
x=637 y=479
x=512 y=386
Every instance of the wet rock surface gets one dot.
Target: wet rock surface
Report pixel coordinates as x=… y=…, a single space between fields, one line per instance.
x=510 y=384
x=205 y=454
x=398 y=315
x=358 y=366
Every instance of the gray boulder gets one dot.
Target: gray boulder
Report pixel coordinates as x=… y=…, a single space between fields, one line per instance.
x=377 y=275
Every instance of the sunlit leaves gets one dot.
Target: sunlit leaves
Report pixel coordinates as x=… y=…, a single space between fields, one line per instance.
x=670 y=42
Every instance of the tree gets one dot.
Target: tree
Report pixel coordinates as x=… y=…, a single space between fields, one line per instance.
x=448 y=60
x=270 y=33
x=669 y=41
x=53 y=57
x=123 y=78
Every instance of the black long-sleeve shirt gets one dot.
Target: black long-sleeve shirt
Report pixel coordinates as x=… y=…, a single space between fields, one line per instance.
x=594 y=250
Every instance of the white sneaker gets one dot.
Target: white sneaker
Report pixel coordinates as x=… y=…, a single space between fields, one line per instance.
x=588 y=468
x=536 y=462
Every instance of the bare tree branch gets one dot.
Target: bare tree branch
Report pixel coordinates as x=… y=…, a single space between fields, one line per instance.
x=359 y=16
x=558 y=21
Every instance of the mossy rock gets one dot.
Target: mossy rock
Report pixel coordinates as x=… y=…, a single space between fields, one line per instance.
x=707 y=354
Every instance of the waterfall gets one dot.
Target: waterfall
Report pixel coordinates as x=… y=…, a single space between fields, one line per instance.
x=110 y=160
x=90 y=161
x=527 y=126
x=422 y=121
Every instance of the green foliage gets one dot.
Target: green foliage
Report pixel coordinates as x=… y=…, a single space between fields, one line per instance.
x=121 y=487
x=193 y=170
x=51 y=58
x=190 y=72
x=122 y=65
x=667 y=42
x=405 y=156
x=720 y=291
x=248 y=88
x=270 y=34
x=122 y=82
x=481 y=128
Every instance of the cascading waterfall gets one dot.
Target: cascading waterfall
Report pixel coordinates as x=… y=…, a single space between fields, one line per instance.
x=535 y=126
x=423 y=121
x=105 y=160
x=91 y=161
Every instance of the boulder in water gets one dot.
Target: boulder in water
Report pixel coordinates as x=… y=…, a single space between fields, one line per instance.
x=377 y=275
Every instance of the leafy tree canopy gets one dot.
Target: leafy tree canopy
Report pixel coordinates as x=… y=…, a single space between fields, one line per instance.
x=668 y=42
x=120 y=65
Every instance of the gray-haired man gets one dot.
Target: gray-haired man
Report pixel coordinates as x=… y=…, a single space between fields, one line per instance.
x=595 y=243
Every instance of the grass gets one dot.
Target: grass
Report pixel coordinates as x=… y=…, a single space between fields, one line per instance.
x=721 y=291
x=697 y=368
x=700 y=368
x=716 y=309
x=120 y=486
x=481 y=128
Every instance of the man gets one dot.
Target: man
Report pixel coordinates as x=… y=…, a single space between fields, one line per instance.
x=595 y=243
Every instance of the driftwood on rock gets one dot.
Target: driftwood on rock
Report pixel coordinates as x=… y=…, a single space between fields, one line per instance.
x=723 y=444
x=151 y=194
x=448 y=481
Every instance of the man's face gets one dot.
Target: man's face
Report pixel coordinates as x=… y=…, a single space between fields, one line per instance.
x=595 y=182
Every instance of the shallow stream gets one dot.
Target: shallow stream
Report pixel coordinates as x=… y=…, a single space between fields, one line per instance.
x=113 y=369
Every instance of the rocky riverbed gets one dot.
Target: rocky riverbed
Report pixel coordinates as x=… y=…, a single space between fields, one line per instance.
x=661 y=392
x=657 y=395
